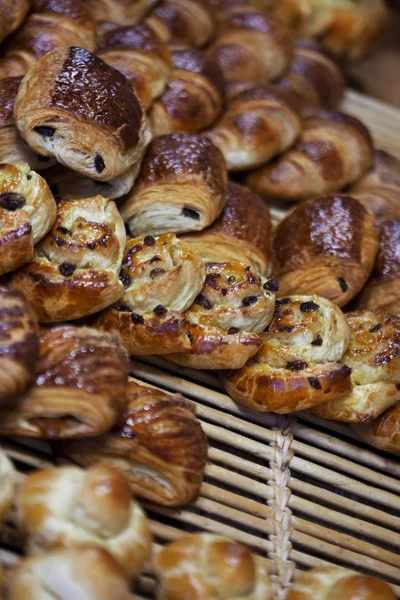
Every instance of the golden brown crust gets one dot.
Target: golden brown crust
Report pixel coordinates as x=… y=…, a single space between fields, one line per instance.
x=8 y=484
x=122 y=12
x=384 y=432
x=12 y=15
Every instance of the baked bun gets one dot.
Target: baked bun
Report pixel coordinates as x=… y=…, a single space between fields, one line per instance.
x=90 y=573
x=12 y=15
x=72 y=106
x=8 y=481
x=19 y=345
x=212 y=567
x=80 y=389
x=326 y=246
x=374 y=358
x=187 y=22
x=27 y=213
x=333 y=151
x=384 y=432
x=258 y=124
x=123 y=12
x=298 y=365
x=241 y=233
x=181 y=187
x=223 y=324
x=75 y=269
x=158 y=445
x=161 y=278
x=194 y=96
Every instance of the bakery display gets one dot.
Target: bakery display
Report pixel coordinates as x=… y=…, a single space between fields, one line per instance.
x=187 y=22
x=12 y=13
x=382 y=433
x=8 y=481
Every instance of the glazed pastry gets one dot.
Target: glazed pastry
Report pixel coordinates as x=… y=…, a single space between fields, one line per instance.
x=158 y=445
x=75 y=268
x=139 y=55
x=258 y=124
x=223 y=324
x=75 y=108
x=299 y=364
x=67 y=506
x=12 y=15
x=194 y=96
x=327 y=247
x=187 y=22
x=241 y=233
x=384 y=432
x=19 y=345
x=374 y=358
x=80 y=389
x=181 y=187
x=333 y=151
x=211 y=567
x=8 y=482
x=27 y=213
x=90 y=573
x=123 y=12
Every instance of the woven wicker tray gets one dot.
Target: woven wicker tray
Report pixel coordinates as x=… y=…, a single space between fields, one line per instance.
x=299 y=491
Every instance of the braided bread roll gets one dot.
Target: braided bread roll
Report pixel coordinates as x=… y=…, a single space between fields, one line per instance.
x=194 y=96
x=382 y=433
x=333 y=151
x=210 y=567
x=299 y=364
x=161 y=279
x=12 y=15
x=158 y=445
x=122 y=12
x=8 y=484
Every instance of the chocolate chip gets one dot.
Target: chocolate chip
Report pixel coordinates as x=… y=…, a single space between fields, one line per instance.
x=224 y=291
x=283 y=301
x=315 y=383
x=60 y=242
x=125 y=280
x=249 y=300
x=12 y=201
x=317 y=341
x=233 y=330
x=252 y=278
x=156 y=272
x=29 y=177
x=137 y=319
x=203 y=301
x=149 y=240
x=272 y=285
x=159 y=310
x=287 y=328
x=309 y=306
x=63 y=230
x=99 y=163
x=231 y=279
x=343 y=285
x=67 y=269
x=44 y=131
x=296 y=365
x=192 y=214
x=375 y=328
x=210 y=280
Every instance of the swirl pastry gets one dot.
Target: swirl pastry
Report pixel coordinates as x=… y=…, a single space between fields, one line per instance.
x=75 y=268
x=298 y=365
x=327 y=247
x=8 y=481
x=374 y=358
x=194 y=96
x=74 y=107
x=70 y=507
x=333 y=151
x=80 y=388
x=258 y=124
x=12 y=15
x=181 y=187
x=158 y=445
x=27 y=213
x=122 y=12
x=384 y=432
x=212 y=567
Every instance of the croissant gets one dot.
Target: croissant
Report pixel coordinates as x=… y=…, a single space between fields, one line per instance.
x=333 y=151
x=13 y=13
x=8 y=481
x=75 y=108
x=81 y=381
x=258 y=124
x=327 y=247
x=123 y=12
x=383 y=432
x=212 y=567
x=75 y=268
x=158 y=445
x=194 y=96
x=27 y=213
x=374 y=358
x=181 y=187
x=299 y=364
x=161 y=279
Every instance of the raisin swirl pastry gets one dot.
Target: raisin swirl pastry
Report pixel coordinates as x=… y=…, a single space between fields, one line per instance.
x=382 y=433
x=12 y=15
x=80 y=388
x=374 y=358
x=8 y=484
x=161 y=279
x=299 y=364
x=75 y=268
x=27 y=213
x=158 y=445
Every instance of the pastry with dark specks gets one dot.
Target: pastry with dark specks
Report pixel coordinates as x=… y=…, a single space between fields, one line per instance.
x=182 y=22
x=12 y=15
x=8 y=485
x=382 y=433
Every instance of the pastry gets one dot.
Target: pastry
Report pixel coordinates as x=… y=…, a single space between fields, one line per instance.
x=74 y=107
x=383 y=432
x=327 y=247
x=333 y=151
x=8 y=481
x=299 y=364
x=210 y=567
x=181 y=187
x=374 y=358
x=194 y=96
x=161 y=278
x=187 y=22
x=224 y=9
x=258 y=124
x=123 y=12
x=70 y=507
x=12 y=15
x=75 y=268
x=158 y=445
x=27 y=213
x=80 y=388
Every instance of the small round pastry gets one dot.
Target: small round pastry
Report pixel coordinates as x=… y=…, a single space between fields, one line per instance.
x=75 y=269
x=210 y=567
x=299 y=364
x=382 y=433
x=374 y=358
x=122 y=12
x=161 y=278
x=12 y=15
x=27 y=213
x=8 y=484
